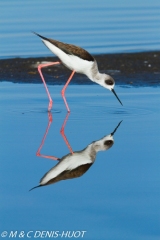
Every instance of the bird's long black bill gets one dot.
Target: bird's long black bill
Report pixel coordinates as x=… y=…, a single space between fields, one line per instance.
x=117 y=96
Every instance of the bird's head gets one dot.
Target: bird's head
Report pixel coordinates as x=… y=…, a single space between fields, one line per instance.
x=103 y=144
x=108 y=82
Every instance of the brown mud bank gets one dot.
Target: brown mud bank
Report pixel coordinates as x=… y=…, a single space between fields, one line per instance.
x=132 y=69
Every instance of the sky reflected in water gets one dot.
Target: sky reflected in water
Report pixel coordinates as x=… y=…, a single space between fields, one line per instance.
x=103 y=26
x=117 y=198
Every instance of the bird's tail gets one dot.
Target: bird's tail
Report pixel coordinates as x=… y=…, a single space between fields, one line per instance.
x=40 y=35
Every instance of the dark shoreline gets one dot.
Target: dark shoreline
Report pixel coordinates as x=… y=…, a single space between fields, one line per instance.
x=132 y=69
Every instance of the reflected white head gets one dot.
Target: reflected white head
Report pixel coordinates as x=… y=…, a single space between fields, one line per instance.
x=104 y=143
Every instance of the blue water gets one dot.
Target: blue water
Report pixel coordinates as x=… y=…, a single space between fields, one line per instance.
x=117 y=198
x=102 y=26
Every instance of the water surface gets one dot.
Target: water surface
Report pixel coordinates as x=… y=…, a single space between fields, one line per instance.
x=117 y=198
x=98 y=26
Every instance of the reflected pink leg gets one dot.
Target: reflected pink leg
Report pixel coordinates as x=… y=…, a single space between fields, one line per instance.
x=38 y=154
x=64 y=89
x=63 y=134
x=39 y=70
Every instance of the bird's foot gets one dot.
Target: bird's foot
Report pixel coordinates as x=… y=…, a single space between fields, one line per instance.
x=50 y=105
x=50 y=116
x=38 y=153
x=64 y=98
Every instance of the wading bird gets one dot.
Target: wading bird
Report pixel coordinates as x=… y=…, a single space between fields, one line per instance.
x=77 y=60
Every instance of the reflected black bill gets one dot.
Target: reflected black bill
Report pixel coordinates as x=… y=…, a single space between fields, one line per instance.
x=116 y=128
x=117 y=96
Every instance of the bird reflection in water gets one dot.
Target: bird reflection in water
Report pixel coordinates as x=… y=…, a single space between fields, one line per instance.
x=74 y=164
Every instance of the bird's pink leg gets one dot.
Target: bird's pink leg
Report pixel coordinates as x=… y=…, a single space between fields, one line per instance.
x=39 y=70
x=38 y=154
x=64 y=89
x=63 y=134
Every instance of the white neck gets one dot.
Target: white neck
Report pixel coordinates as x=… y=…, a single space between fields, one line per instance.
x=94 y=75
x=99 y=77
